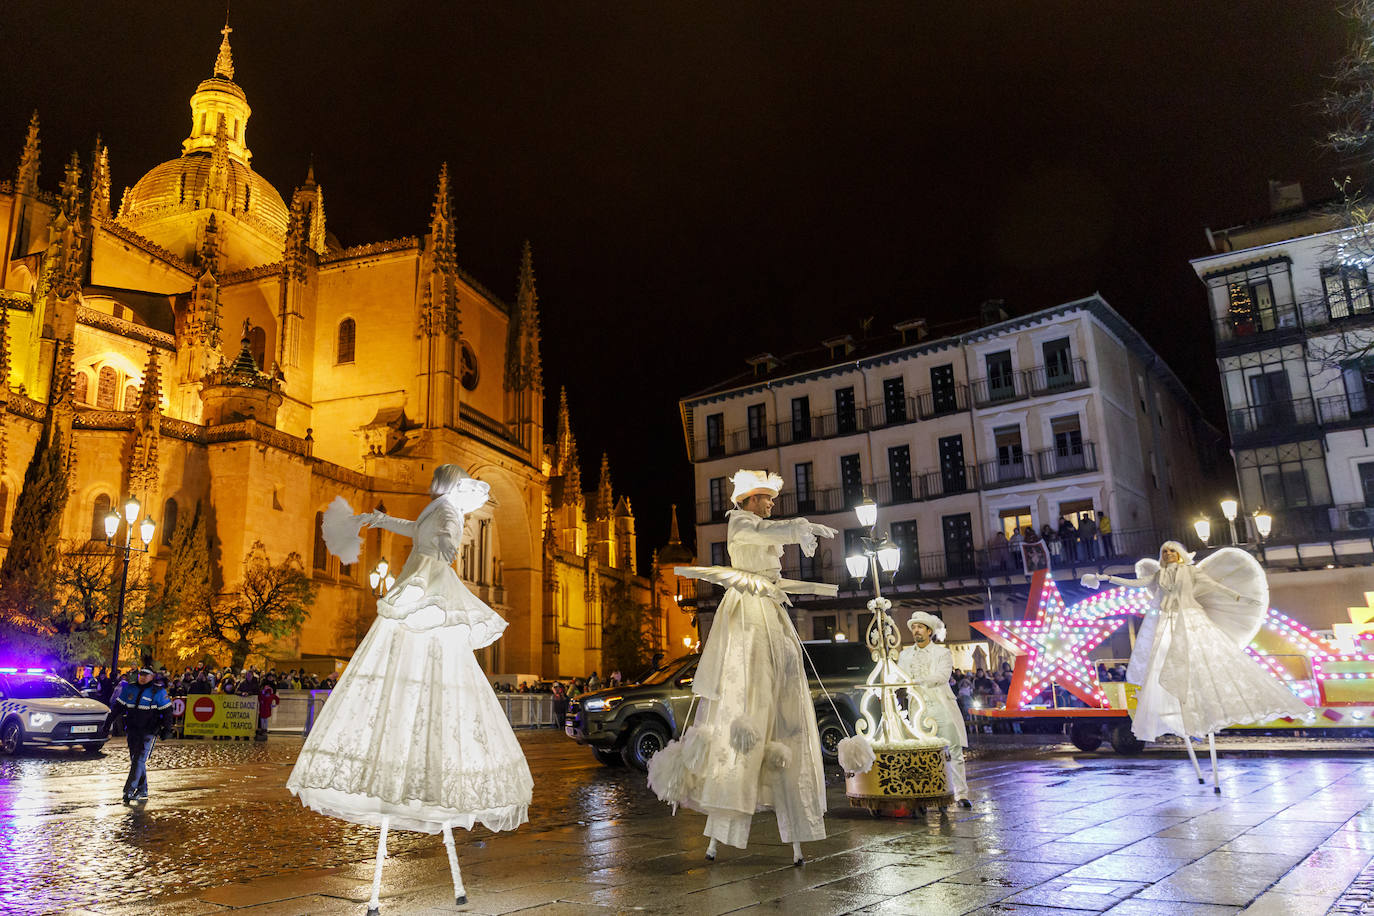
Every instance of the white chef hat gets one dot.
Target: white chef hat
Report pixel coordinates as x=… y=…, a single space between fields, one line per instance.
x=937 y=626
x=751 y=483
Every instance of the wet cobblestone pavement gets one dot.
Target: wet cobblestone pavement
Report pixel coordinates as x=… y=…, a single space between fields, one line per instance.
x=1052 y=831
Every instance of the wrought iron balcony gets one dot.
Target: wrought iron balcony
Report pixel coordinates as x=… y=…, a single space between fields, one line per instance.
x=1003 y=388
x=1062 y=461
x=950 y=482
x=1054 y=378
x=931 y=404
x=998 y=473
x=1257 y=328
x=1273 y=422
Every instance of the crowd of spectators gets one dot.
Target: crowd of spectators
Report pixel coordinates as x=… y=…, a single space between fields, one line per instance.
x=203 y=679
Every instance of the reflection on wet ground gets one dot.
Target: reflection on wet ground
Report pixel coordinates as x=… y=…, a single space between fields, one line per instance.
x=1050 y=825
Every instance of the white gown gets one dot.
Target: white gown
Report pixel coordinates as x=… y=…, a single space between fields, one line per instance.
x=413 y=730
x=1189 y=658
x=751 y=681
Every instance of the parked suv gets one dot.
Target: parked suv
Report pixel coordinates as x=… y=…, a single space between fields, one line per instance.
x=631 y=723
x=41 y=708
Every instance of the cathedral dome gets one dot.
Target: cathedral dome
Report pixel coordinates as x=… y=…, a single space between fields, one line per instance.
x=185 y=184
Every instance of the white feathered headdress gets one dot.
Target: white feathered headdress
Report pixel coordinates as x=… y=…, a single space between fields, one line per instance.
x=750 y=483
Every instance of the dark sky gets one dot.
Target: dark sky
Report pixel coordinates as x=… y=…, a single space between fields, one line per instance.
x=702 y=181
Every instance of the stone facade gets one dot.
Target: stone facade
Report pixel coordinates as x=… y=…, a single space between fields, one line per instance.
x=223 y=348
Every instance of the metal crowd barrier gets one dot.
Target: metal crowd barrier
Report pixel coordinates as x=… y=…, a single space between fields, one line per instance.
x=297 y=710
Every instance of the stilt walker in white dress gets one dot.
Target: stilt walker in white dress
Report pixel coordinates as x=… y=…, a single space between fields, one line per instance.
x=1189 y=658
x=753 y=745
x=929 y=666
x=413 y=737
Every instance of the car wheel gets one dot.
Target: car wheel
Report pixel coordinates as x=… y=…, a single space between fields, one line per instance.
x=607 y=757
x=11 y=737
x=832 y=732
x=1086 y=736
x=1124 y=740
x=647 y=738
x=93 y=747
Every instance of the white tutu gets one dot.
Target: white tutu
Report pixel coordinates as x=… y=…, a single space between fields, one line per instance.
x=413 y=731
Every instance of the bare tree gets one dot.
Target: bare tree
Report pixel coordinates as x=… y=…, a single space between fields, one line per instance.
x=272 y=602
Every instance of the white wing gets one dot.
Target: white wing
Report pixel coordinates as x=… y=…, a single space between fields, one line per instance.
x=1234 y=571
x=340 y=530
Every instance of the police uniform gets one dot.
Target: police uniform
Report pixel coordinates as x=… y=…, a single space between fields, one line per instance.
x=147 y=713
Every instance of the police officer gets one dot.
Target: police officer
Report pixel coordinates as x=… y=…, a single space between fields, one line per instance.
x=147 y=713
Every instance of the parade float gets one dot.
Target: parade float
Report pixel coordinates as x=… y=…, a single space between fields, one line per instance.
x=1054 y=641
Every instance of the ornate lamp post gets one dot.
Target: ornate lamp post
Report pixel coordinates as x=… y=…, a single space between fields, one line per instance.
x=145 y=532
x=909 y=767
x=1229 y=508
x=381 y=578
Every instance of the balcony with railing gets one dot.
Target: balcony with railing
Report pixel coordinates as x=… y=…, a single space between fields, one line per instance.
x=1260 y=327
x=1002 y=388
x=949 y=482
x=1054 y=378
x=924 y=405
x=1006 y=473
x=1061 y=461
x=1327 y=312
x=1272 y=422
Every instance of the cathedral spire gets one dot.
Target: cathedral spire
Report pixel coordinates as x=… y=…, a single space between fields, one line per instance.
x=441 y=223
x=224 y=63
x=27 y=179
x=100 y=180
x=674 y=538
x=605 y=498
x=524 y=368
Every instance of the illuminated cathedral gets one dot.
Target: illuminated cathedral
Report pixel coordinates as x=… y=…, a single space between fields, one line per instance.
x=211 y=342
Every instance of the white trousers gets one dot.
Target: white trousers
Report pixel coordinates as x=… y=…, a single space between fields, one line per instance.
x=954 y=770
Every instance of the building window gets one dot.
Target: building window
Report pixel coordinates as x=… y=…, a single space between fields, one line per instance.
x=1011 y=458
x=131 y=397
x=844 y=410
x=348 y=336
x=80 y=388
x=1347 y=291
x=851 y=480
x=943 y=396
x=98 y=513
x=903 y=534
x=1250 y=307
x=716 y=487
x=4 y=506
x=823 y=627
x=1001 y=381
x=894 y=399
x=1011 y=521
x=257 y=345
x=169 y=521
x=718 y=557
x=758 y=426
x=801 y=419
x=107 y=387
x=1358 y=376
x=467 y=370
x=899 y=472
x=715 y=435
x=1058 y=363
x=805 y=489
x=321 y=552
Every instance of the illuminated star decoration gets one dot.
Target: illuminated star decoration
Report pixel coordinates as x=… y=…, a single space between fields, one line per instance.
x=1052 y=646
x=1349 y=636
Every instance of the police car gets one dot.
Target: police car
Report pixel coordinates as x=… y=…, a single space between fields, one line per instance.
x=41 y=708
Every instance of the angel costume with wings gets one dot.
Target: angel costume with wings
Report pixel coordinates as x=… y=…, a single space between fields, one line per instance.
x=1189 y=658
x=413 y=736
x=753 y=745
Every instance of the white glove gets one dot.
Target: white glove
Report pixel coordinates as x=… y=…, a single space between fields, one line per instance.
x=1090 y=580
x=370 y=519
x=823 y=531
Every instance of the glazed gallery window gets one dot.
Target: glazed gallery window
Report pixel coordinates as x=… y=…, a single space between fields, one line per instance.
x=1347 y=291
x=1250 y=307
x=347 y=341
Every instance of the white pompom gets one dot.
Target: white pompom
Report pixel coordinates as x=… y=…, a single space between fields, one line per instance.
x=777 y=755
x=856 y=754
x=340 y=528
x=1090 y=580
x=670 y=778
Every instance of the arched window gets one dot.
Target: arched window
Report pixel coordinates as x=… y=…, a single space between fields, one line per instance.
x=348 y=335
x=4 y=506
x=169 y=521
x=131 y=397
x=98 y=513
x=321 y=552
x=468 y=371
x=106 y=385
x=257 y=345
x=81 y=384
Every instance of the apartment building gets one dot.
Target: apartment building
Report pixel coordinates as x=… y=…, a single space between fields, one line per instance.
x=1017 y=423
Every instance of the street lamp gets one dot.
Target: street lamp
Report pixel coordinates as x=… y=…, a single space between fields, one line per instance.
x=380 y=578
x=903 y=742
x=1264 y=523
x=1229 y=508
x=1203 y=528
x=145 y=533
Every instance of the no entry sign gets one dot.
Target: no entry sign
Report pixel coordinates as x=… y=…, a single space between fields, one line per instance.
x=222 y=715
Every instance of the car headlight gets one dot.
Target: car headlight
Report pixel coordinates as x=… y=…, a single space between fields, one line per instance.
x=39 y=719
x=601 y=704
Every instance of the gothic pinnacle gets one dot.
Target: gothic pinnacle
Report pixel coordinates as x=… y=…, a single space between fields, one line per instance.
x=27 y=179
x=224 y=63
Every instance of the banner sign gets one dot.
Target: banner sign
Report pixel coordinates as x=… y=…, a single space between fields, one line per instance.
x=218 y=714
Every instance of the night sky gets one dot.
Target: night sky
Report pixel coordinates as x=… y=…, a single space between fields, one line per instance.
x=702 y=181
